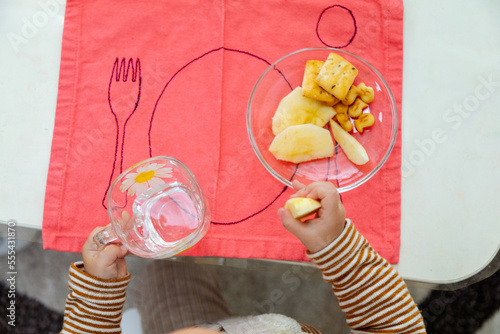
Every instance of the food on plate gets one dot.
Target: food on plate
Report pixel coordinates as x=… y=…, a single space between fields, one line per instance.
x=336 y=76
x=299 y=143
x=344 y=121
x=302 y=207
x=354 y=151
x=310 y=87
x=365 y=93
x=298 y=122
x=342 y=117
x=340 y=108
x=364 y=121
x=356 y=109
x=295 y=109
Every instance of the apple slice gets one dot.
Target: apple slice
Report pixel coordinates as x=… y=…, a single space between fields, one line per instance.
x=354 y=151
x=299 y=143
x=295 y=109
x=301 y=207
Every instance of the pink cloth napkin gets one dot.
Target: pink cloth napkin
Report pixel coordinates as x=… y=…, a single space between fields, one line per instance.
x=191 y=66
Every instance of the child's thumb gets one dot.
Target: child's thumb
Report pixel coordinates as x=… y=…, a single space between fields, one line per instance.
x=291 y=224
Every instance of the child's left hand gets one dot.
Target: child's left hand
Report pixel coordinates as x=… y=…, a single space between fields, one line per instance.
x=104 y=262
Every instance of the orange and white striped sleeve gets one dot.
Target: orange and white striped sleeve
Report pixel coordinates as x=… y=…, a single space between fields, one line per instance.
x=370 y=291
x=93 y=305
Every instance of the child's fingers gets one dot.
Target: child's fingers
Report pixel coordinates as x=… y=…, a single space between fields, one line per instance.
x=321 y=190
x=315 y=190
x=284 y=214
x=125 y=251
x=94 y=232
x=293 y=225
x=297 y=185
x=300 y=189
x=112 y=252
x=90 y=245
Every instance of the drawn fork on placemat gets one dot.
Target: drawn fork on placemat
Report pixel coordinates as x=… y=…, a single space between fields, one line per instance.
x=124 y=93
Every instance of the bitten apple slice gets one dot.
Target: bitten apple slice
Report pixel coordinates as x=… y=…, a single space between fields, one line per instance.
x=295 y=109
x=354 y=151
x=299 y=143
x=301 y=207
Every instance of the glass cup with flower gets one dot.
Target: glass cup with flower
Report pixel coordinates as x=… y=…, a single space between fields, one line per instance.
x=156 y=208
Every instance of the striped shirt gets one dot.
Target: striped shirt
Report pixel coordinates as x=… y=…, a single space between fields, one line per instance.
x=370 y=291
x=93 y=305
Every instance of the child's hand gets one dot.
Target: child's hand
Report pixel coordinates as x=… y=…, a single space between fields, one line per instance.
x=104 y=262
x=319 y=232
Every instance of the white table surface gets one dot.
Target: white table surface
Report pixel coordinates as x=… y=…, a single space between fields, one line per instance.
x=451 y=128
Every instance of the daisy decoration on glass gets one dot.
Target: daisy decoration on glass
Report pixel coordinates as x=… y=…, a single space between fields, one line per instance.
x=146 y=177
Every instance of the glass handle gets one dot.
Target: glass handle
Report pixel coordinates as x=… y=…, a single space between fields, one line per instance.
x=106 y=236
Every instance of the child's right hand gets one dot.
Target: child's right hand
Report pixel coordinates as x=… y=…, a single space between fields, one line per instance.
x=104 y=262
x=319 y=232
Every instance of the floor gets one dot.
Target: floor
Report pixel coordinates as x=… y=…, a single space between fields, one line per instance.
x=303 y=295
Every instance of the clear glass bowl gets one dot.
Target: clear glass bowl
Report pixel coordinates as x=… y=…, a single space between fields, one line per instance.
x=378 y=140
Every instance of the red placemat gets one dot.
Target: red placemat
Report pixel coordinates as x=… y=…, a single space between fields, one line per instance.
x=190 y=68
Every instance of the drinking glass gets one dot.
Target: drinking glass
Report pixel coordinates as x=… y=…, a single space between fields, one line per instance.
x=156 y=208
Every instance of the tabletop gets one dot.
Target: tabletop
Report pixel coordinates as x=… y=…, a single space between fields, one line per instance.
x=451 y=86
